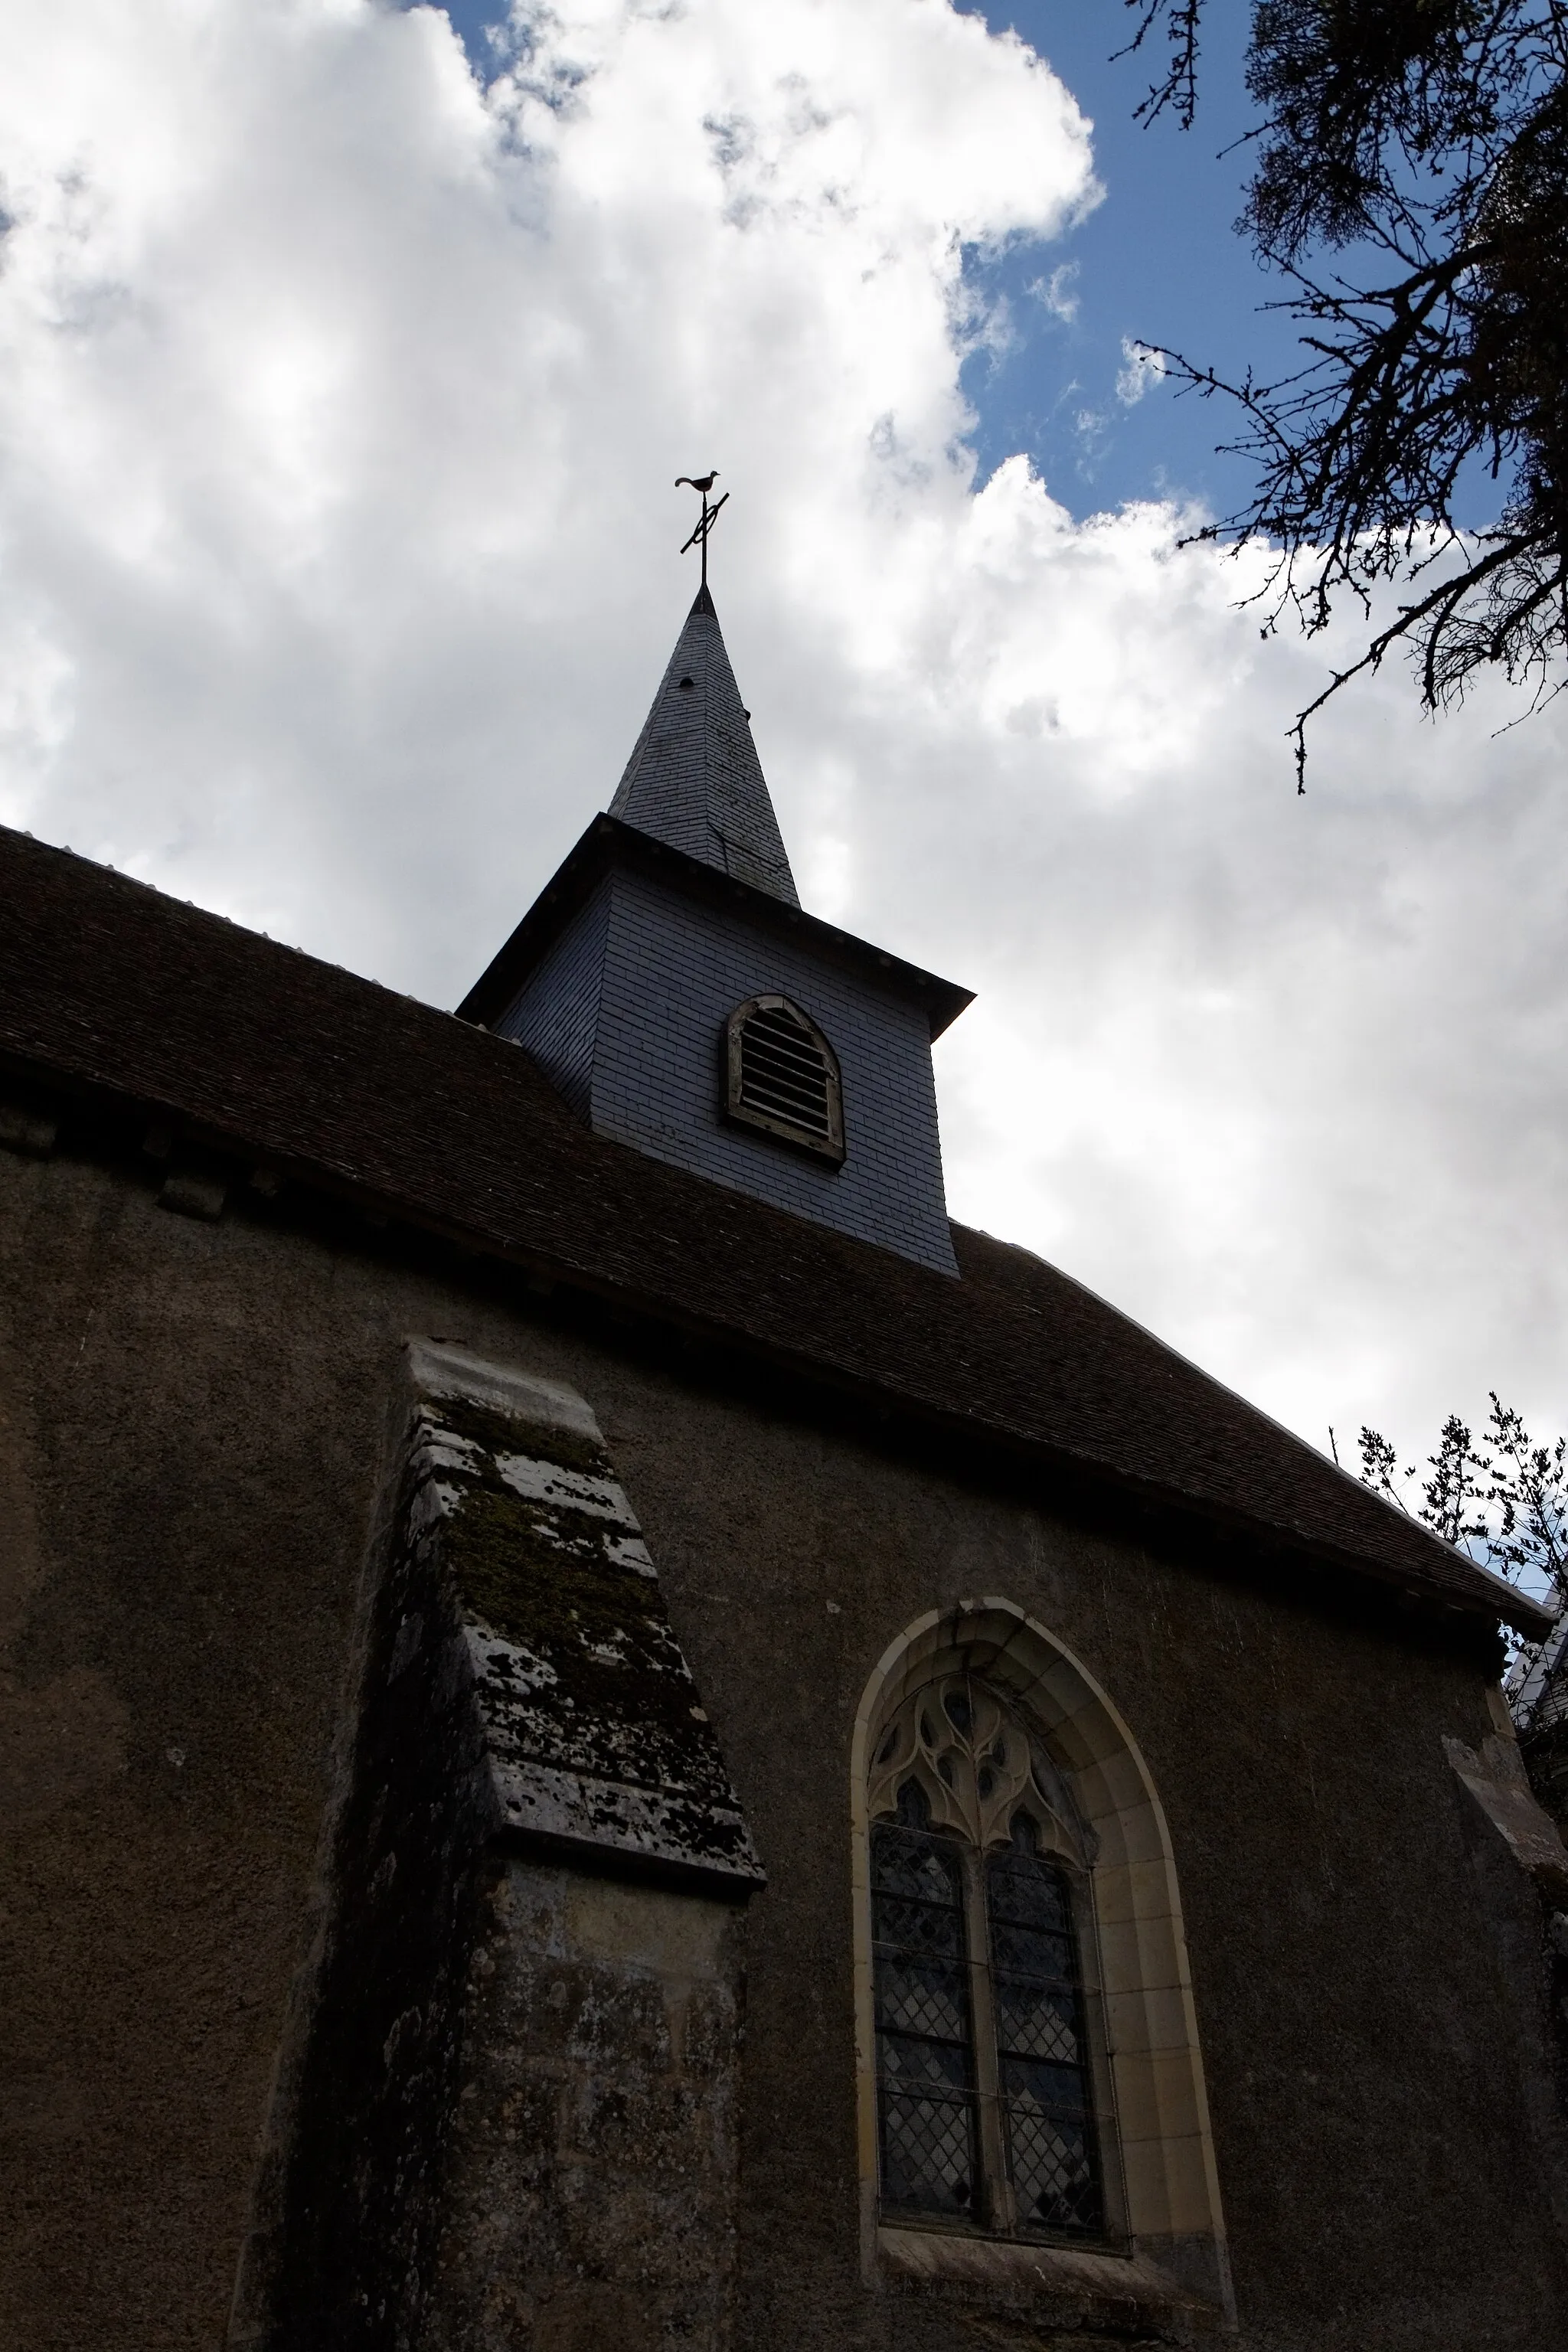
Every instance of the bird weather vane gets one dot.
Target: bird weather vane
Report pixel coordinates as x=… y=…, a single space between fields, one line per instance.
x=702 y=483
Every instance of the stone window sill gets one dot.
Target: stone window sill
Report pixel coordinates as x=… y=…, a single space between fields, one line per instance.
x=1083 y=2287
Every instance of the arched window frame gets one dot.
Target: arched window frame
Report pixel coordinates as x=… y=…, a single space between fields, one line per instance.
x=828 y=1148
x=1166 y=2223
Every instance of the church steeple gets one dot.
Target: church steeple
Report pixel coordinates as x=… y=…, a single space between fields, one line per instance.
x=694 y=780
x=669 y=982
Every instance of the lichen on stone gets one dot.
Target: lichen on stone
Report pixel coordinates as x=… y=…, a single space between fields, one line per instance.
x=501 y=1432
x=578 y=1674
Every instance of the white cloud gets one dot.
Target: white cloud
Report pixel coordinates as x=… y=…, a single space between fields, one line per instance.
x=1141 y=369
x=339 y=408
x=1057 y=293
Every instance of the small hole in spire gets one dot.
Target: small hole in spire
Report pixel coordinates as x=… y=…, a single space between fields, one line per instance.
x=687 y=684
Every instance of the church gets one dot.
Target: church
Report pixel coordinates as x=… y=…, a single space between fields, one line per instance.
x=619 y=1736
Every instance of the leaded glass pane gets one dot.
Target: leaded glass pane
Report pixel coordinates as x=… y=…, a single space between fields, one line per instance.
x=1037 y=2021
x=912 y=2064
x=913 y=1999
x=1029 y=1952
x=1051 y=2156
x=1030 y=1892
x=928 y=2154
x=924 y=2043
x=1042 y=2070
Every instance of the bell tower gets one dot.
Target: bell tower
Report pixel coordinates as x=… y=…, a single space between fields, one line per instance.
x=669 y=982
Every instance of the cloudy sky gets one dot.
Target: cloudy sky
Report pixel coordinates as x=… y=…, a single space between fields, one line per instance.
x=344 y=373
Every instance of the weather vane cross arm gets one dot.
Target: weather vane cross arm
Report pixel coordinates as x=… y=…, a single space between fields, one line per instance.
x=702 y=483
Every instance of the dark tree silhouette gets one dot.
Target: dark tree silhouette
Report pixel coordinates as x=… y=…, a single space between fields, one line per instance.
x=1501 y=1498
x=1422 y=145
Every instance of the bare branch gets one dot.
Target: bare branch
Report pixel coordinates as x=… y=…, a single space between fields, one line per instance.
x=1176 y=90
x=1438 y=137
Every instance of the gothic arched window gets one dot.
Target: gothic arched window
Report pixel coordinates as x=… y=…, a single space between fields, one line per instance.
x=781 y=1075
x=979 y=1891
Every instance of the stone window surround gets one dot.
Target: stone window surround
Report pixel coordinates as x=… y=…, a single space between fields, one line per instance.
x=1163 y=2194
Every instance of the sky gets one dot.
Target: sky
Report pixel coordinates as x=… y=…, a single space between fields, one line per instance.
x=347 y=360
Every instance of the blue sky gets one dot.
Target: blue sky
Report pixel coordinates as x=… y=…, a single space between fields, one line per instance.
x=1157 y=260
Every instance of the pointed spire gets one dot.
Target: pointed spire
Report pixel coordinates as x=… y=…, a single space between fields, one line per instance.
x=694 y=779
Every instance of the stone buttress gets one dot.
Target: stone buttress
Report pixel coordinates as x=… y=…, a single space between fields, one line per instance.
x=509 y=2114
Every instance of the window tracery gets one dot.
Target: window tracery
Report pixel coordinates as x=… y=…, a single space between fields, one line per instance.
x=979 y=1894
x=972 y=1756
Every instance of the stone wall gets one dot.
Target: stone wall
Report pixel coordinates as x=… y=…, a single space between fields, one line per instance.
x=200 y=1432
x=592 y=2173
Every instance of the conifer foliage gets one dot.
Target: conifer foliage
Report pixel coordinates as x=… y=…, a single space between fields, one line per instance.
x=1411 y=186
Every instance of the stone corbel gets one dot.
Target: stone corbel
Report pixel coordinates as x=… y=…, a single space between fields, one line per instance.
x=1494 y=1775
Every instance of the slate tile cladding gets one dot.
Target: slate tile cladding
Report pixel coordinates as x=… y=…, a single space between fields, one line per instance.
x=129 y=1007
x=672 y=972
x=556 y=1016
x=694 y=779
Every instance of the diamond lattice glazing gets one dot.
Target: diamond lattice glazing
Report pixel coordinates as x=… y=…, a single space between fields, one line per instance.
x=1042 y=2063
x=933 y=2085
x=925 y=2055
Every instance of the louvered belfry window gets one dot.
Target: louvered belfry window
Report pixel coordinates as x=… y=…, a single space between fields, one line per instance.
x=781 y=1075
x=985 y=2080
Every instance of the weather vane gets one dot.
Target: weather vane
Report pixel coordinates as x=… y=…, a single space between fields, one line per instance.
x=702 y=483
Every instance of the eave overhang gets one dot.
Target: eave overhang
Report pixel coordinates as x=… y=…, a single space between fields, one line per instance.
x=554 y=1274
x=609 y=845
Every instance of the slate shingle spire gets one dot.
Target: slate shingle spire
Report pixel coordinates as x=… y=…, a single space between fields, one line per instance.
x=694 y=779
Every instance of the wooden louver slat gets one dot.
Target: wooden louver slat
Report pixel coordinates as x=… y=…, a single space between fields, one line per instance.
x=782 y=1075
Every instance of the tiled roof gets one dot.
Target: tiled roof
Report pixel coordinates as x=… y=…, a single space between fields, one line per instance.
x=109 y=988
x=694 y=779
